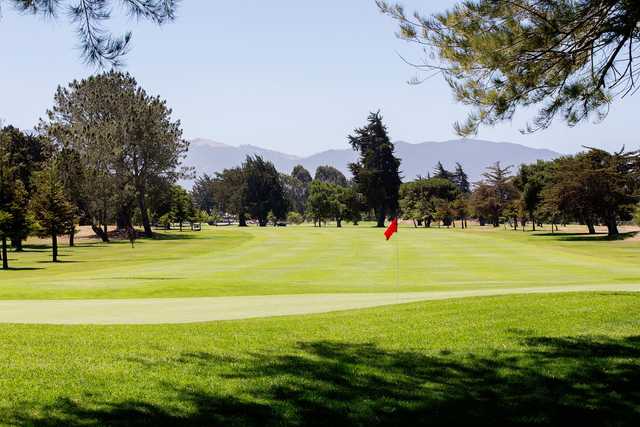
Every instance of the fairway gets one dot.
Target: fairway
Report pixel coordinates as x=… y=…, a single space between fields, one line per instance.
x=306 y=260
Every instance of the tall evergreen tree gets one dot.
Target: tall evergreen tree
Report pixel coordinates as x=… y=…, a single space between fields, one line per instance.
x=376 y=173
x=440 y=172
x=51 y=208
x=461 y=179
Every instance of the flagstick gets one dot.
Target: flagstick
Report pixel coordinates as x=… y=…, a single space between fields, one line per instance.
x=398 y=263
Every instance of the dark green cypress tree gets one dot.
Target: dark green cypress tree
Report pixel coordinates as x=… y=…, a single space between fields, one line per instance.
x=376 y=173
x=461 y=179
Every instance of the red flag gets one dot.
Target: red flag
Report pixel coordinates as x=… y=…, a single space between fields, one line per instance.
x=392 y=228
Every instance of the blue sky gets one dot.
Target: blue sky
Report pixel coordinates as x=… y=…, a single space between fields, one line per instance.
x=291 y=75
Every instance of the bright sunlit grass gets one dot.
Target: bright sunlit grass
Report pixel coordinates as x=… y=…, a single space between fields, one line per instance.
x=303 y=259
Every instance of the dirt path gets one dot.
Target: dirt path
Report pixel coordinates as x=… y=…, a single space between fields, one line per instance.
x=186 y=310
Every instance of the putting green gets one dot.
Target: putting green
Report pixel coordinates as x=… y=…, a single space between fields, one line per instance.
x=185 y=310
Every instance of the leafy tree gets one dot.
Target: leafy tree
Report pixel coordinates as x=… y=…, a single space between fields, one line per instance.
x=263 y=190
x=569 y=57
x=181 y=205
x=330 y=175
x=423 y=200
x=295 y=218
x=460 y=210
x=13 y=201
x=497 y=193
x=203 y=193
x=99 y=47
x=376 y=174
x=54 y=213
x=594 y=186
x=530 y=181
x=301 y=174
x=71 y=174
x=27 y=154
x=321 y=202
x=295 y=191
x=230 y=193
x=125 y=137
x=354 y=204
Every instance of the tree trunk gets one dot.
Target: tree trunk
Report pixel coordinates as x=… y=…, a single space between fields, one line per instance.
x=482 y=221
x=100 y=233
x=123 y=219
x=381 y=218
x=338 y=223
x=242 y=220
x=17 y=244
x=590 y=227
x=145 y=215
x=533 y=222
x=5 y=260
x=72 y=235
x=54 y=246
x=612 y=227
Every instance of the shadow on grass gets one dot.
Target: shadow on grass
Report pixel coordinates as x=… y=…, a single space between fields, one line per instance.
x=586 y=237
x=552 y=381
x=172 y=235
x=22 y=268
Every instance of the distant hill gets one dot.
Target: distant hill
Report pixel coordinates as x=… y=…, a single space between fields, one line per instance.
x=474 y=155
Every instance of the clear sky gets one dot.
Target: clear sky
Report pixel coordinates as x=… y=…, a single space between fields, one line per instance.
x=291 y=75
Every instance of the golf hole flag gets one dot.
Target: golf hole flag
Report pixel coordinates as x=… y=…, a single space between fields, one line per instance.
x=392 y=228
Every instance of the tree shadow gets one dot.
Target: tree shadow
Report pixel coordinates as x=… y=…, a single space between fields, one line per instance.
x=173 y=235
x=551 y=381
x=586 y=237
x=23 y=268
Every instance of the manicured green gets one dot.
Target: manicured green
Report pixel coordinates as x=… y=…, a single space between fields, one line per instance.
x=566 y=359
x=304 y=259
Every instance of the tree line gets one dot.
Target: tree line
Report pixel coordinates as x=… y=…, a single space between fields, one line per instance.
x=257 y=190
x=107 y=153
x=590 y=188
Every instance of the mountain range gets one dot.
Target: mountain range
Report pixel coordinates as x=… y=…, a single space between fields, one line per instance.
x=207 y=156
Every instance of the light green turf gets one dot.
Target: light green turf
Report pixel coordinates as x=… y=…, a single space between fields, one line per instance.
x=564 y=359
x=292 y=260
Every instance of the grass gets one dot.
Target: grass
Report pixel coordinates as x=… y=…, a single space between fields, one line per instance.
x=294 y=260
x=571 y=359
